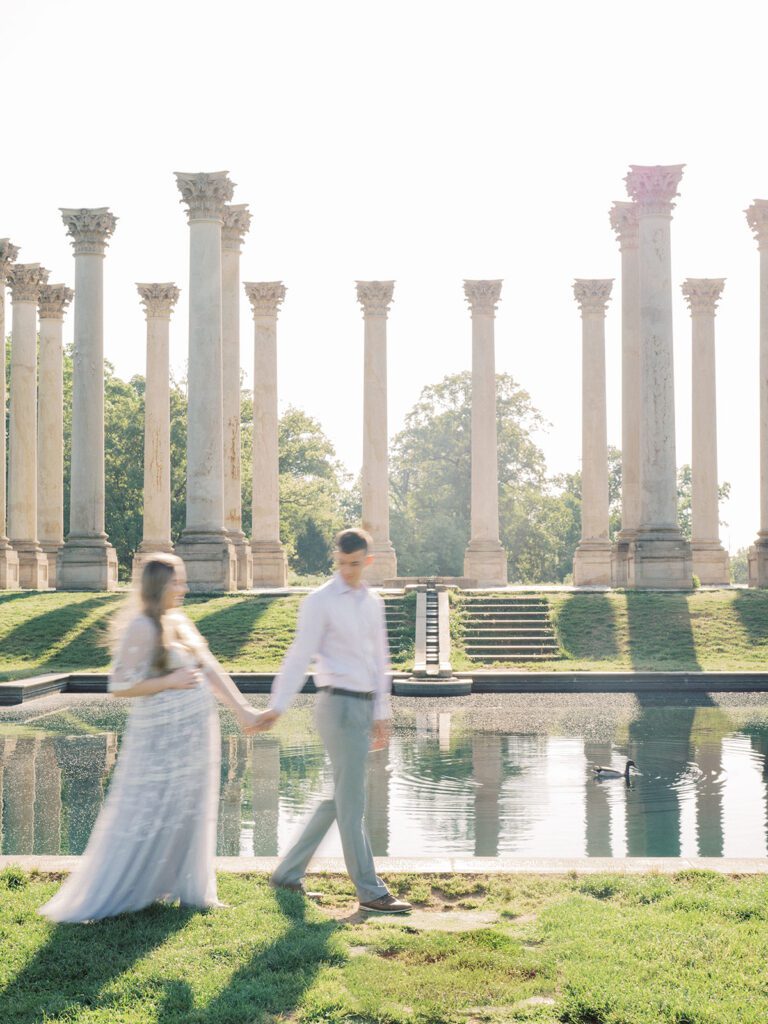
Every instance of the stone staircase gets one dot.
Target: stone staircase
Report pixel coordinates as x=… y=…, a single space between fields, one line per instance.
x=514 y=628
x=400 y=623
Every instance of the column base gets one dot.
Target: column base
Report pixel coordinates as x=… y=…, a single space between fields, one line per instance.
x=51 y=551
x=33 y=565
x=210 y=561
x=592 y=564
x=269 y=564
x=486 y=562
x=660 y=560
x=244 y=559
x=87 y=563
x=711 y=563
x=384 y=565
x=9 y=566
x=148 y=548
x=620 y=558
x=757 y=560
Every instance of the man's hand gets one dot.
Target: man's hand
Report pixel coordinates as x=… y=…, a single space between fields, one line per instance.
x=264 y=722
x=380 y=734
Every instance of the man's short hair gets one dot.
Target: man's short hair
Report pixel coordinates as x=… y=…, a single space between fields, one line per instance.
x=352 y=540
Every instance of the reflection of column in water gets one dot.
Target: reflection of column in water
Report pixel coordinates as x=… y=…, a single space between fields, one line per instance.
x=266 y=795
x=19 y=794
x=759 y=744
x=487 y=772
x=444 y=731
x=233 y=762
x=596 y=805
x=85 y=762
x=377 y=801
x=426 y=724
x=47 y=798
x=709 y=799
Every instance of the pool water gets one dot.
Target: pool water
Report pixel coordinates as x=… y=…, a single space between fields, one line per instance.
x=484 y=775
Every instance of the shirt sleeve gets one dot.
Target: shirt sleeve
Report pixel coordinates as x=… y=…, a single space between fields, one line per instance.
x=306 y=643
x=382 y=707
x=134 y=657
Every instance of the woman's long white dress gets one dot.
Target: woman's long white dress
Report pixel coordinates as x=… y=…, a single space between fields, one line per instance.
x=155 y=836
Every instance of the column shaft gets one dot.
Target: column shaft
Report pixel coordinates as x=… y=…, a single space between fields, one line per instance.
x=9 y=560
x=485 y=560
x=270 y=566
x=757 y=218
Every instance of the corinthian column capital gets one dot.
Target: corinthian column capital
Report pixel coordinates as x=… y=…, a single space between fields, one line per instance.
x=26 y=280
x=703 y=294
x=375 y=296
x=206 y=195
x=624 y=222
x=8 y=254
x=482 y=296
x=53 y=301
x=265 y=296
x=757 y=218
x=654 y=188
x=592 y=295
x=158 y=299
x=237 y=222
x=90 y=229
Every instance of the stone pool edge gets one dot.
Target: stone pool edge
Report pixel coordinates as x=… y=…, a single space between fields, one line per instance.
x=15 y=692
x=456 y=865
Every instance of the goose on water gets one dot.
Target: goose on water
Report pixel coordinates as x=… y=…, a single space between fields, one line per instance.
x=602 y=772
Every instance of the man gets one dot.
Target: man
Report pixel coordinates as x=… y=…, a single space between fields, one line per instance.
x=342 y=626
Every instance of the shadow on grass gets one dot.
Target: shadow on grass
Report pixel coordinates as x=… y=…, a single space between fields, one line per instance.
x=228 y=630
x=752 y=609
x=68 y=974
x=586 y=627
x=660 y=632
x=271 y=984
x=33 y=638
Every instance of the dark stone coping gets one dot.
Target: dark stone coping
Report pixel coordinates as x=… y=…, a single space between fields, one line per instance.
x=21 y=690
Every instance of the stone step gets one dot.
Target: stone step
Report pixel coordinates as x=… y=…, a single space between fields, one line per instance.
x=492 y=659
x=512 y=645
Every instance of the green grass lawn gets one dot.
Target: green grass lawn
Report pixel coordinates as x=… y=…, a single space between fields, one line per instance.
x=688 y=949
x=704 y=630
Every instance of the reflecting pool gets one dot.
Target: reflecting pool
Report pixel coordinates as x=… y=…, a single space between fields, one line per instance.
x=483 y=775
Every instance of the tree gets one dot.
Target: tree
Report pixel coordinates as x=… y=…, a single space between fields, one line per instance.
x=684 y=494
x=740 y=566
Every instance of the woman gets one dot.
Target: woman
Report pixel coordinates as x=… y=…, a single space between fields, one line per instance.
x=155 y=836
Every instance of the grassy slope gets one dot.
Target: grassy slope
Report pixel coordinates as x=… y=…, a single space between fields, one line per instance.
x=712 y=630
x=592 y=950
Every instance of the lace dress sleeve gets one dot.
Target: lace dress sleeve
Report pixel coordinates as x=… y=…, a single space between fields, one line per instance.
x=134 y=657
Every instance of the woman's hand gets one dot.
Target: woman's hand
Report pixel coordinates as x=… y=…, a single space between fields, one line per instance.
x=184 y=679
x=259 y=721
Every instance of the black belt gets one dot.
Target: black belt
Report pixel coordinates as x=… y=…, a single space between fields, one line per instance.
x=337 y=691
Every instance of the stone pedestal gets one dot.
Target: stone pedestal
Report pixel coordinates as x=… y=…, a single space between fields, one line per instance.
x=158 y=301
x=270 y=565
x=484 y=559
x=375 y=298
x=88 y=561
x=237 y=220
x=757 y=218
x=9 y=560
x=624 y=222
x=26 y=281
x=592 y=559
x=54 y=299
x=205 y=546
x=659 y=557
x=710 y=560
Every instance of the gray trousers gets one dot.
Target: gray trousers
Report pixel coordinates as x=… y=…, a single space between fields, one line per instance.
x=344 y=724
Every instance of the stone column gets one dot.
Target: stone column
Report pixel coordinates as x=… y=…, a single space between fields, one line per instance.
x=237 y=220
x=375 y=298
x=26 y=281
x=88 y=561
x=592 y=560
x=158 y=301
x=710 y=560
x=757 y=218
x=204 y=545
x=9 y=560
x=624 y=223
x=659 y=557
x=270 y=565
x=485 y=560
x=54 y=299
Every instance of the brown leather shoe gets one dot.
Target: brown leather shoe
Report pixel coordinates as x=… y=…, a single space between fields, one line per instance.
x=388 y=904
x=295 y=887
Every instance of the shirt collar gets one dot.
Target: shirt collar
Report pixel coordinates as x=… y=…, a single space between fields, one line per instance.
x=344 y=588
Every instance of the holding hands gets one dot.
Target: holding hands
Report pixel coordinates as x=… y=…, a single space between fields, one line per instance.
x=252 y=721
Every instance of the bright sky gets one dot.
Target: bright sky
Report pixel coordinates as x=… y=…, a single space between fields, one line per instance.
x=425 y=141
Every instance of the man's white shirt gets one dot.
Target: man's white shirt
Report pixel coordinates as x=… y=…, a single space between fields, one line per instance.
x=344 y=630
